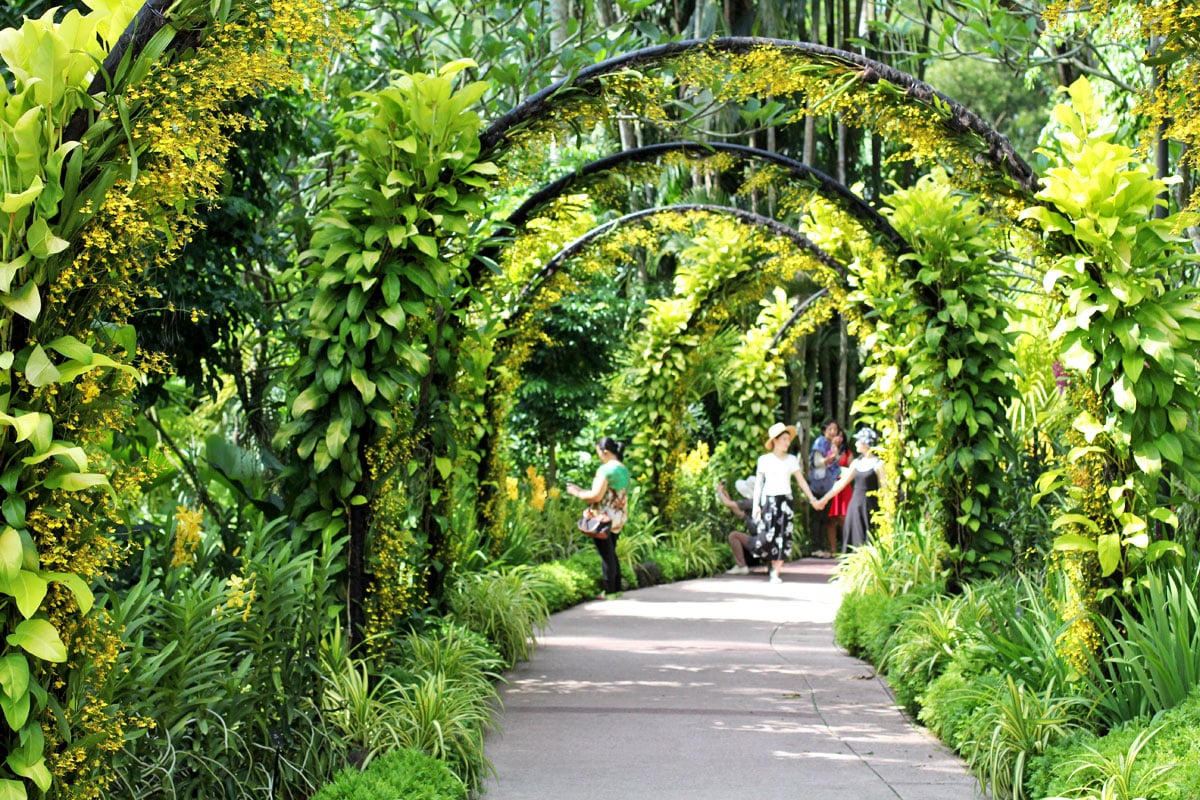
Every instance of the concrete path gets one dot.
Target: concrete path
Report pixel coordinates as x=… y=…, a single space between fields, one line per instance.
x=727 y=688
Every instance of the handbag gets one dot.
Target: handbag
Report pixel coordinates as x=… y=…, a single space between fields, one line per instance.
x=821 y=480
x=595 y=523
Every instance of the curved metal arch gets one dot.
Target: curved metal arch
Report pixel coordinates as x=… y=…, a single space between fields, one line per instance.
x=748 y=217
x=1000 y=152
x=827 y=186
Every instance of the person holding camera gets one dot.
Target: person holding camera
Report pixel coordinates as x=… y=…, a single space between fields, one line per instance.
x=609 y=494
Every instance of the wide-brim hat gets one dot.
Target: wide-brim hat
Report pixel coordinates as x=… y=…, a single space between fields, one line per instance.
x=867 y=436
x=775 y=431
x=745 y=487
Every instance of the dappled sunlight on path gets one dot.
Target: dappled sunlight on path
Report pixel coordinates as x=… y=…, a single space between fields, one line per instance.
x=728 y=688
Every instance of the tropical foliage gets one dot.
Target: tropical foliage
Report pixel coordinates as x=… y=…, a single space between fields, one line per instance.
x=280 y=494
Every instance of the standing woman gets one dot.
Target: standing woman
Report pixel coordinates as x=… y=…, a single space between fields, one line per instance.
x=866 y=472
x=773 y=497
x=835 y=517
x=610 y=493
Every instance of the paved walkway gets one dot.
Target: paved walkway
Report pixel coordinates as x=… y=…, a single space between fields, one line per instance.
x=727 y=688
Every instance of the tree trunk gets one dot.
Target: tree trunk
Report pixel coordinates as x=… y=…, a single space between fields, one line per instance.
x=560 y=17
x=810 y=123
x=843 y=378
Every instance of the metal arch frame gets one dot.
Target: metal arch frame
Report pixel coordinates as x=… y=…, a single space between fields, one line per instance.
x=748 y=217
x=1000 y=152
x=826 y=186
x=855 y=205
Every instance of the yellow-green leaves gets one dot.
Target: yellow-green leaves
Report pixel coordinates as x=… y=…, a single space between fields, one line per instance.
x=386 y=253
x=1130 y=338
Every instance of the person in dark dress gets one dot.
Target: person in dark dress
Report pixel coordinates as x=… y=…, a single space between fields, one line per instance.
x=866 y=473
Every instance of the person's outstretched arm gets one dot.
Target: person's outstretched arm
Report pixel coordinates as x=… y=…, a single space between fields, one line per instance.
x=595 y=495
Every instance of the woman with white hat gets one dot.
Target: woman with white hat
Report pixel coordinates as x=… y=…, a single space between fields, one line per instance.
x=773 y=497
x=866 y=472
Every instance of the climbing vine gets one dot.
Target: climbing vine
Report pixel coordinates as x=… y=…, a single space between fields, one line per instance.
x=96 y=189
x=386 y=266
x=1126 y=334
x=653 y=391
x=958 y=368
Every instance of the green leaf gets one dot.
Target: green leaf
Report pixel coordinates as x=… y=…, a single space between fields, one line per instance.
x=1074 y=542
x=12 y=790
x=10 y=269
x=1133 y=364
x=1170 y=448
x=311 y=398
x=1108 y=549
x=28 y=589
x=70 y=481
x=42 y=241
x=1075 y=519
x=28 y=760
x=14 y=675
x=26 y=301
x=15 y=201
x=1078 y=358
x=12 y=555
x=72 y=348
x=39 y=638
x=38 y=369
x=1088 y=425
x=1123 y=396
x=1148 y=459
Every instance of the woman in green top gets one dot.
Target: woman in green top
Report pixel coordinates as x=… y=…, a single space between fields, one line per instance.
x=610 y=490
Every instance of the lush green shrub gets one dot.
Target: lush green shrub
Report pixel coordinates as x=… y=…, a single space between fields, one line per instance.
x=226 y=664
x=1151 y=659
x=865 y=622
x=1019 y=634
x=506 y=606
x=361 y=707
x=565 y=584
x=927 y=636
x=405 y=773
x=446 y=720
x=952 y=699
x=904 y=562
x=671 y=563
x=466 y=658
x=1156 y=758
x=702 y=555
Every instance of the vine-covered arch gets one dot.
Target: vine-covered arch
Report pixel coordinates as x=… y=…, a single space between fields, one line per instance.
x=808 y=79
x=823 y=184
x=829 y=79
x=657 y=442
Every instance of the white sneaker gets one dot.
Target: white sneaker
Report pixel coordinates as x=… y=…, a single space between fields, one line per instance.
x=736 y=570
x=773 y=578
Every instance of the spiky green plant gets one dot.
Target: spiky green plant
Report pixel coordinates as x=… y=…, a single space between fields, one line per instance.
x=506 y=606
x=1013 y=725
x=444 y=719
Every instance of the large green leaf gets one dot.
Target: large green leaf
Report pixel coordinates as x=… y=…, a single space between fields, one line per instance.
x=26 y=301
x=38 y=638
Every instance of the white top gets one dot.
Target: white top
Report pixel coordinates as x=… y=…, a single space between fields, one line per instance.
x=867 y=463
x=775 y=475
